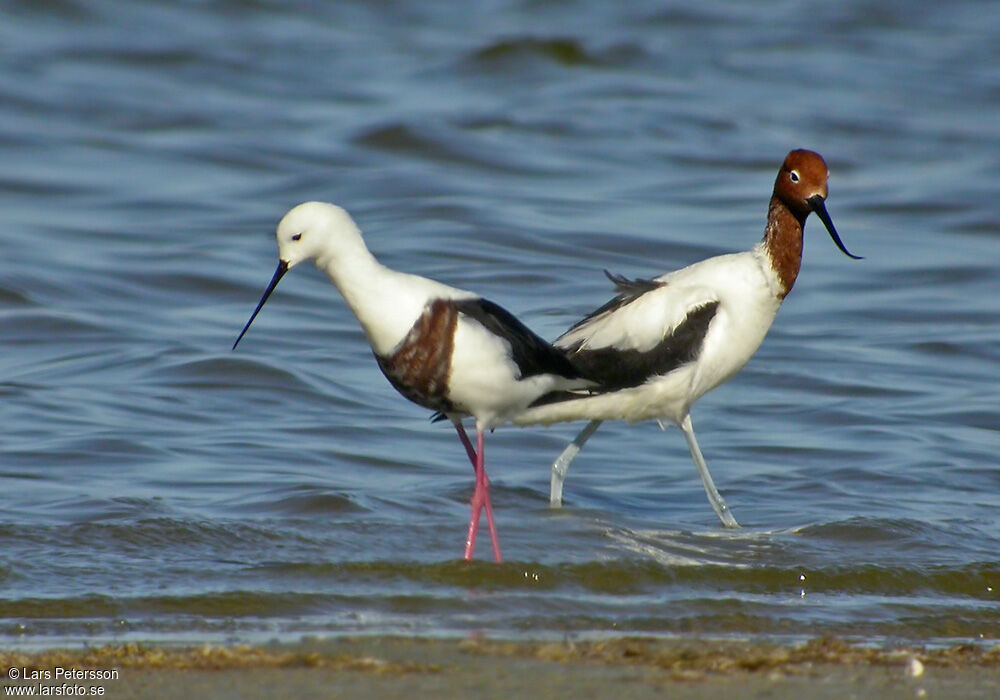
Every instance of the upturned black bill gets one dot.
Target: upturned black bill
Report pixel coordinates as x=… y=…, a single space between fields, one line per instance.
x=818 y=205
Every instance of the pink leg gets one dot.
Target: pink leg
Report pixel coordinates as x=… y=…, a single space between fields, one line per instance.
x=483 y=486
x=480 y=497
x=464 y=437
x=470 y=538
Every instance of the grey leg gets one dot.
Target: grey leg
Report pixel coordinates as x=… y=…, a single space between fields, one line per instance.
x=561 y=465
x=718 y=505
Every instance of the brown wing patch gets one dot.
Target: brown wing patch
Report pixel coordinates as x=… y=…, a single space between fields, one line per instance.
x=420 y=365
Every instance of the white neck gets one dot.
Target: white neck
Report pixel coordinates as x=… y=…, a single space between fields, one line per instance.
x=386 y=302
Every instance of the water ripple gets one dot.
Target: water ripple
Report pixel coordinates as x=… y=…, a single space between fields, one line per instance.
x=157 y=485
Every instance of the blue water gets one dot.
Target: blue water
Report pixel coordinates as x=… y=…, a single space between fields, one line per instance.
x=155 y=485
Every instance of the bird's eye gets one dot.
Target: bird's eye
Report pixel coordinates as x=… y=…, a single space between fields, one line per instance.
x=297 y=236
x=793 y=175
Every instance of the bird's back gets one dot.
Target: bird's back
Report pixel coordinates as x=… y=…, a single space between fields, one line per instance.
x=661 y=344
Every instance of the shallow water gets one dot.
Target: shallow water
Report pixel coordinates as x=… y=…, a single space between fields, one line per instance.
x=155 y=485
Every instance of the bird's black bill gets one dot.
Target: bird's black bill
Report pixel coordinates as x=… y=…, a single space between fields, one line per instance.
x=818 y=205
x=282 y=269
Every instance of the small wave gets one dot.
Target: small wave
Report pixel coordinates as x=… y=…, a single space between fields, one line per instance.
x=298 y=501
x=50 y=326
x=230 y=371
x=566 y=52
x=442 y=144
x=523 y=52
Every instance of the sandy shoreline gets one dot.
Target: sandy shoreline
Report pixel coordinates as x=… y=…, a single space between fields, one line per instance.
x=399 y=667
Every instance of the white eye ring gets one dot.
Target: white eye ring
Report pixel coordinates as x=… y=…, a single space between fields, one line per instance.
x=793 y=175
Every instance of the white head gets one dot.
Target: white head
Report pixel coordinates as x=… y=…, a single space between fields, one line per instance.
x=313 y=230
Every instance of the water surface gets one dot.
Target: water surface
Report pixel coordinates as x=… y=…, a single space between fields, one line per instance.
x=155 y=485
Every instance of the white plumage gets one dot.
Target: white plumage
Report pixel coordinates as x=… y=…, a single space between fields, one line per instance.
x=739 y=283
x=444 y=348
x=660 y=345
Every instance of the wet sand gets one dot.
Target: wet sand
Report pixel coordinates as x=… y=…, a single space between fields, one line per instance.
x=396 y=667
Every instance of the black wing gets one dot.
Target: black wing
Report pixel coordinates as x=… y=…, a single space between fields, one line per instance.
x=628 y=291
x=531 y=354
x=614 y=368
